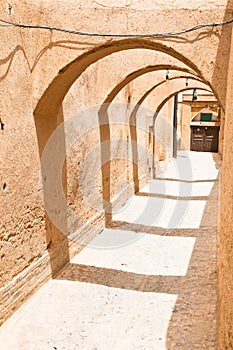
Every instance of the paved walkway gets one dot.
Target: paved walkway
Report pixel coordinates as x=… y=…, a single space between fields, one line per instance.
x=147 y=283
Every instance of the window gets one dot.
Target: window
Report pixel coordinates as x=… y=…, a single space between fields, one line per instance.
x=206 y=117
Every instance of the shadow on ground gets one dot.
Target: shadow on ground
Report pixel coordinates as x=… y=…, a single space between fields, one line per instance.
x=193 y=320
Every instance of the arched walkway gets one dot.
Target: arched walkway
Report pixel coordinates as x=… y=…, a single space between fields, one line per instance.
x=164 y=240
x=168 y=126
x=48 y=115
x=47 y=118
x=58 y=60
x=156 y=266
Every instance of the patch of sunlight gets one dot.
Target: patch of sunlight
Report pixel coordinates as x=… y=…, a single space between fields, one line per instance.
x=178 y=188
x=162 y=212
x=142 y=254
x=74 y=315
x=190 y=166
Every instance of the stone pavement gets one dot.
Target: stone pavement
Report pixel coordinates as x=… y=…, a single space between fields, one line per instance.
x=148 y=282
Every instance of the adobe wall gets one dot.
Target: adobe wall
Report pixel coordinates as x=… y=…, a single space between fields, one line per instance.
x=37 y=69
x=226 y=224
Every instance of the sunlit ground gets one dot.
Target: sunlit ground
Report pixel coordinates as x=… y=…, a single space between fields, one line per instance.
x=135 y=290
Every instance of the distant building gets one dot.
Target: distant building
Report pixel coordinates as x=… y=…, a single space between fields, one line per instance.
x=199 y=122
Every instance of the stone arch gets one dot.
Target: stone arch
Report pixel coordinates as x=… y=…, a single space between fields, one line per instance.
x=158 y=109
x=133 y=127
x=141 y=72
x=48 y=114
x=48 y=110
x=105 y=128
x=71 y=72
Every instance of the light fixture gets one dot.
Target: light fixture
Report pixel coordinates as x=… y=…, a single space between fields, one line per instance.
x=167 y=75
x=194 y=94
x=1 y=124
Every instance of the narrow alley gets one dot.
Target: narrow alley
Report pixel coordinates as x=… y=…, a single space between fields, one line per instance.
x=148 y=282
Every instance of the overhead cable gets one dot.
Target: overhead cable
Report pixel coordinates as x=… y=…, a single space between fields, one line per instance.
x=153 y=35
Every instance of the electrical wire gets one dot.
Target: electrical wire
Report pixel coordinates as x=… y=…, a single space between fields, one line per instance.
x=153 y=35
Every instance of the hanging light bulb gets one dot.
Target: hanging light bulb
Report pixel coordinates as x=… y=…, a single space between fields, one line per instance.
x=194 y=94
x=187 y=82
x=167 y=75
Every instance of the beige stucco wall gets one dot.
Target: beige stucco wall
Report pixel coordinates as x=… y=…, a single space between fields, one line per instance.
x=226 y=243
x=185 y=129
x=30 y=60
